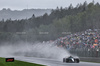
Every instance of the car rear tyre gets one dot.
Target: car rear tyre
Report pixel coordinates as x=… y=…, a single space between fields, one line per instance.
x=64 y=60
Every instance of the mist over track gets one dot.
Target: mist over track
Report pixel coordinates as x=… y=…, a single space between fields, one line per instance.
x=40 y=50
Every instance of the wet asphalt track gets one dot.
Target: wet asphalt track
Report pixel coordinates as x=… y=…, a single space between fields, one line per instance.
x=50 y=62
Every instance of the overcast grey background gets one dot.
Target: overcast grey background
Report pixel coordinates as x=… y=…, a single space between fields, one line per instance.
x=43 y=4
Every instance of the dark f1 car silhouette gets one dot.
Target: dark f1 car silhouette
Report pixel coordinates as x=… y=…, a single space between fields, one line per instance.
x=71 y=60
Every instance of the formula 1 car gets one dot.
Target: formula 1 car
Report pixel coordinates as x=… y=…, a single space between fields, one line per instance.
x=71 y=60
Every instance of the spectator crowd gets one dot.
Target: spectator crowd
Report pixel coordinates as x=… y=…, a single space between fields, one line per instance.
x=89 y=39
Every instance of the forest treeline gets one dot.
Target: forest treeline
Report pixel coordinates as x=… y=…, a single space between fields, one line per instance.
x=60 y=22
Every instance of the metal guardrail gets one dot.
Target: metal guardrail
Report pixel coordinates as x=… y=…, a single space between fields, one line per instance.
x=90 y=59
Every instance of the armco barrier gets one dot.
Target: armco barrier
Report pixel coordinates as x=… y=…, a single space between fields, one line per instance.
x=90 y=59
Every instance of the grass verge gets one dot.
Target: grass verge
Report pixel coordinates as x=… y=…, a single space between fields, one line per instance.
x=16 y=63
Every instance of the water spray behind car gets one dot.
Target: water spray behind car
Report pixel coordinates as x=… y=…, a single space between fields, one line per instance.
x=40 y=50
